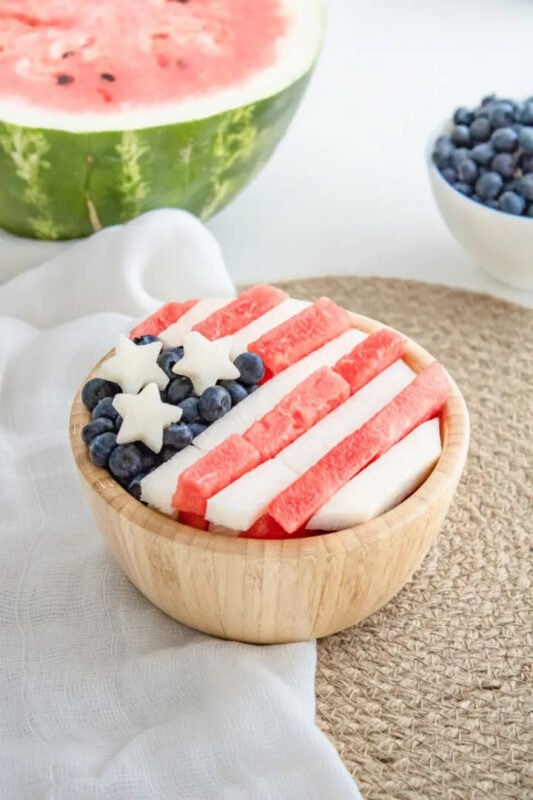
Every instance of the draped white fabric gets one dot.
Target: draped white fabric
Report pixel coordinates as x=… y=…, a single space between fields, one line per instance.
x=102 y=695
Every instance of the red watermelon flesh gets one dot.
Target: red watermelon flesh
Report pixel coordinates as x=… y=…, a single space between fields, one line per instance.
x=123 y=54
x=161 y=319
x=193 y=520
x=212 y=473
x=419 y=401
x=301 y=335
x=240 y=312
x=268 y=528
x=305 y=405
x=373 y=355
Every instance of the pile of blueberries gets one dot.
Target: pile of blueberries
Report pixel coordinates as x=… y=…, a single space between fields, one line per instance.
x=129 y=463
x=488 y=154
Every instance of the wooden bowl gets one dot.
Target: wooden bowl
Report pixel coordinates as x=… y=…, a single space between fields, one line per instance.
x=278 y=590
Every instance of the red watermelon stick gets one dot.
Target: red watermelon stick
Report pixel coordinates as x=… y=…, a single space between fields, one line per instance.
x=299 y=410
x=240 y=312
x=300 y=335
x=161 y=319
x=415 y=404
x=370 y=357
x=266 y=528
x=213 y=472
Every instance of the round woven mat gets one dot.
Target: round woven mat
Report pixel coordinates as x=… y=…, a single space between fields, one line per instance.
x=427 y=699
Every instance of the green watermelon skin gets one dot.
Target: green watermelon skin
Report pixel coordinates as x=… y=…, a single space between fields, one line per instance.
x=57 y=184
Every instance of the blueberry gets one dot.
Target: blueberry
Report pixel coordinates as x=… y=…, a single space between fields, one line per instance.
x=467 y=171
x=167 y=453
x=525 y=139
x=492 y=204
x=118 y=422
x=125 y=462
x=461 y=135
x=177 y=435
x=252 y=388
x=196 y=428
x=95 y=428
x=101 y=448
x=168 y=358
x=150 y=460
x=96 y=389
x=148 y=338
x=504 y=164
x=530 y=211
x=134 y=486
x=251 y=368
x=458 y=156
x=189 y=406
x=489 y=185
x=505 y=140
x=105 y=408
x=526 y=163
x=214 y=403
x=480 y=130
x=512 y=203
x=464 y=188
x=442 y=151
x=524 y=187
x=236 y=390
x=525 y=115
x=488 y=99
x=483 y=153
x=463 y=116
x=180 y=388
x=501 y=115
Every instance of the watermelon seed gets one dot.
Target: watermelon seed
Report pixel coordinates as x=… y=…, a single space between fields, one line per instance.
x=68 y=53
x=63 y=79
x=107 y=76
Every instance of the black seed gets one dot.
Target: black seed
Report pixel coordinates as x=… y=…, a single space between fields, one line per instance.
x=107 y=76
x=63 y=79
x=68 y=53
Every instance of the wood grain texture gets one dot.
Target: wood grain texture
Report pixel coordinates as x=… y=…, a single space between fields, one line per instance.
x=279 y=590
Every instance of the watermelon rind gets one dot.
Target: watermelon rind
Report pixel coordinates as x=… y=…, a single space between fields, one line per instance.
x=60 y=183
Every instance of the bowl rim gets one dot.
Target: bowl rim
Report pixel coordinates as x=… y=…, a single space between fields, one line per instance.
x=455 y=430
x=435 y=171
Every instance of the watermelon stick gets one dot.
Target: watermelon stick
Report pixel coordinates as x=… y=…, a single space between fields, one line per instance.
x=298 y=411
x=240 y=312
x=162 y=318
x=212 y=473
x=419 y=401
x=374 y=354
x=301 y=335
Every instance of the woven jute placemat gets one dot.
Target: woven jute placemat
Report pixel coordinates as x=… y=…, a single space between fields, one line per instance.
x=428 y=699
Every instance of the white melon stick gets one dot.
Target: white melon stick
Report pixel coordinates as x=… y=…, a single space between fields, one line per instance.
x=158 y=487
x=240 y=504
x=271 y=319
x=346 y=418
x=383 y=484
x=175 y=333
x=264 y=399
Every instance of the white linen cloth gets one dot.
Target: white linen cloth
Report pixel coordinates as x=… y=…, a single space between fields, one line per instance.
x=102 y=696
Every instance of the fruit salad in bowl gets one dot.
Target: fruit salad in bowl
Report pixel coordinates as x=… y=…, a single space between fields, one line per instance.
x=480 y=162
x=217 y=422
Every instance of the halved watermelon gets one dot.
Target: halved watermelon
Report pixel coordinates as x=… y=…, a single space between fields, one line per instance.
x=112 y=108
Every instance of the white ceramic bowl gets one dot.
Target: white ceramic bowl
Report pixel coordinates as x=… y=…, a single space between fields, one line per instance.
x=502 y=244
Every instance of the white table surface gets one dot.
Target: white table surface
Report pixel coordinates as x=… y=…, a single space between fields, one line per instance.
x=347 y=190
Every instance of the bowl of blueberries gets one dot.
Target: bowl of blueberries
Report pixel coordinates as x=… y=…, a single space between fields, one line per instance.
x=481 y=173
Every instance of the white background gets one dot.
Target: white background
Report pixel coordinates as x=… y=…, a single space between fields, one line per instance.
x=347 y=190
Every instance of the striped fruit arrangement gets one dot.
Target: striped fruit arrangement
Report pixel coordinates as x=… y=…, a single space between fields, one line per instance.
x=109 y=109
x=264 y=416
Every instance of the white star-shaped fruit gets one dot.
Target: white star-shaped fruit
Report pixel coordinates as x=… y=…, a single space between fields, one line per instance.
x=205 y=362
x=144 y=416
x=134 y=365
